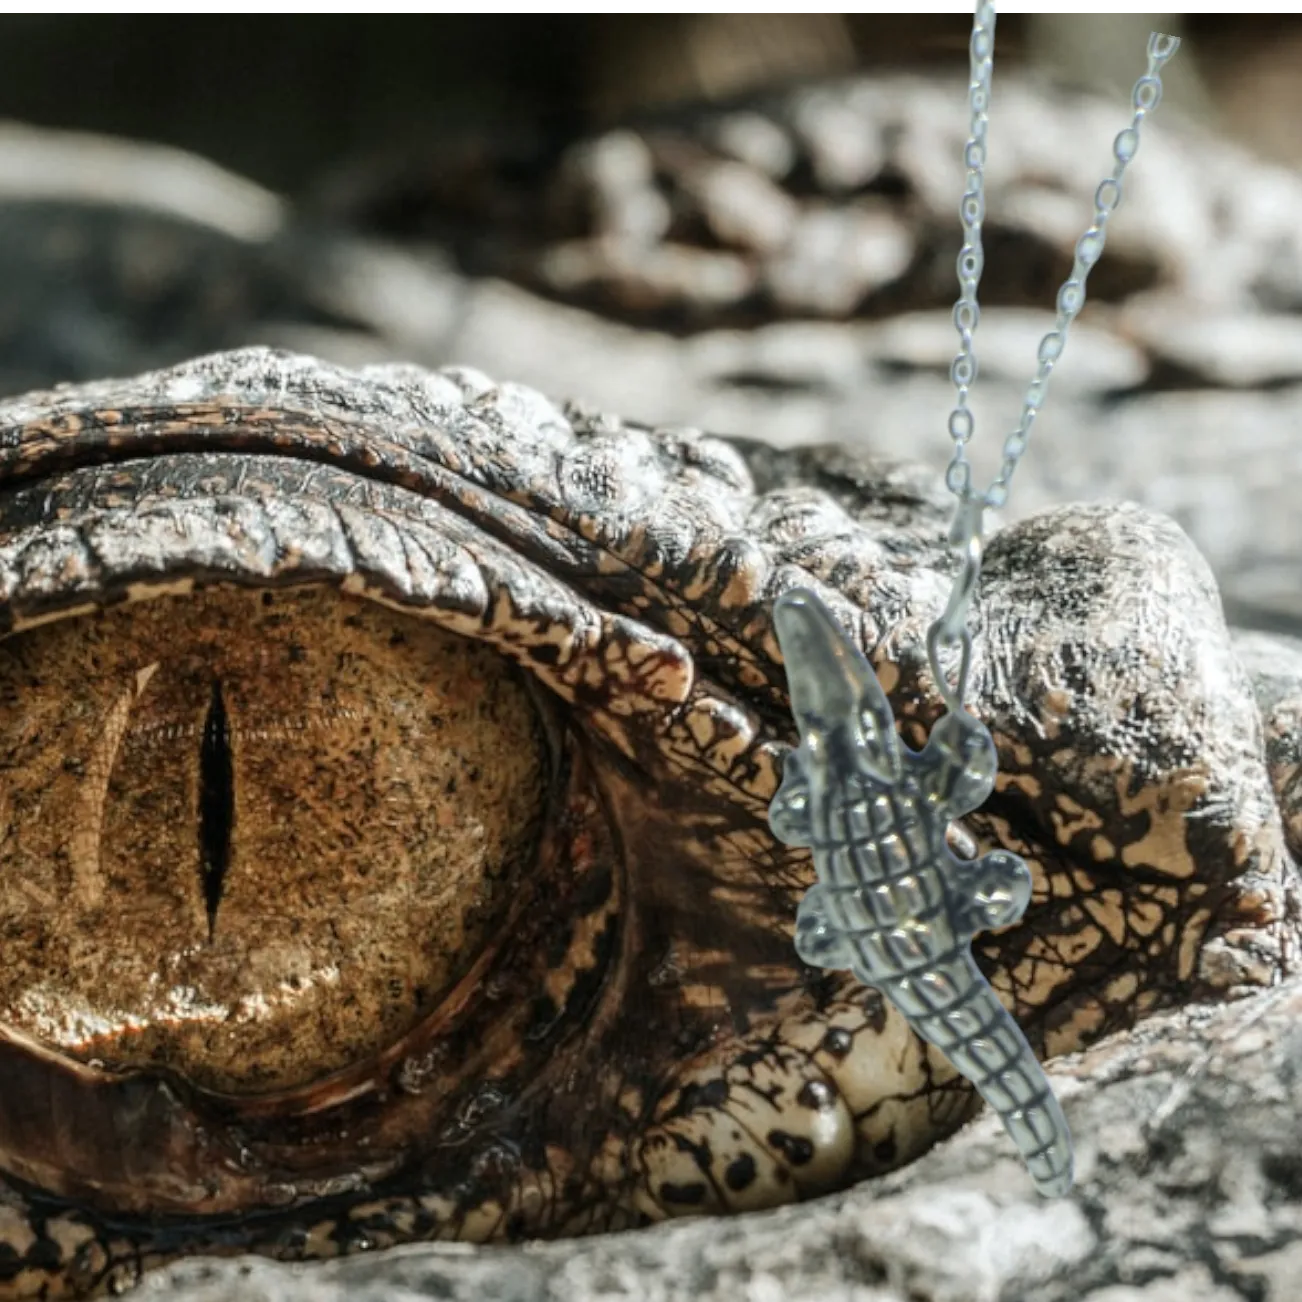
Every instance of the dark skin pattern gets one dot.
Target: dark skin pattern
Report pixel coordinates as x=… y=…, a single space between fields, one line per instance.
x=640 y=1041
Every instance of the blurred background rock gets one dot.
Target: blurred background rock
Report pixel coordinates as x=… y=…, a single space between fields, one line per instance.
x=284 y=99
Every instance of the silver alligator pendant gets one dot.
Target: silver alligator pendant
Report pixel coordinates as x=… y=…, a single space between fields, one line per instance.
x=893 y=904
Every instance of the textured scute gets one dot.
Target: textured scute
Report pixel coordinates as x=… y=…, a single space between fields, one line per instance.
x=1275 y=664
x=1188 y=1131
x=1110 y=668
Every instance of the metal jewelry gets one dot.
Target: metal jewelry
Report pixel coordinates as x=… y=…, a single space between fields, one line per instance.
x=893 y=904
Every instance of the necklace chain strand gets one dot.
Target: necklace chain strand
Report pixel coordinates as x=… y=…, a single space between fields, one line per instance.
x=951 y=629
x=1071 y=297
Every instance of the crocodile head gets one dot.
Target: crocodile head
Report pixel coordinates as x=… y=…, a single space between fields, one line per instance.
x=386 y=764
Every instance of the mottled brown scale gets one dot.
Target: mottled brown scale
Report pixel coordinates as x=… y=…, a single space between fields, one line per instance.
x=385 y=852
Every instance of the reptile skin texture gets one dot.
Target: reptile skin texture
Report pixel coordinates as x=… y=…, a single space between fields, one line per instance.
x=893 y=904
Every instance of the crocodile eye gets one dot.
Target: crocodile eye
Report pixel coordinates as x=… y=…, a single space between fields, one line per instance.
x=253 y=837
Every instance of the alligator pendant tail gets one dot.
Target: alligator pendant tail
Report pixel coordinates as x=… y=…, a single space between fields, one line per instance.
x=893 y=904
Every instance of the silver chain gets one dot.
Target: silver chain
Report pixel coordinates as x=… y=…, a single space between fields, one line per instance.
x=1071 y=297
x=951 y=628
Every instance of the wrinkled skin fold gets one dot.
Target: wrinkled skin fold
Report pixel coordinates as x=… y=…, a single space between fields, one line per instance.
x=633 y=1037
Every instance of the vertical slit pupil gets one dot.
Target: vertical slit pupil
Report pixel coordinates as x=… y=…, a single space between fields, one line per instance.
x=216 y=803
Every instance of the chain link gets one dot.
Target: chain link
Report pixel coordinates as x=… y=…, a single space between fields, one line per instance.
x=1145 y=97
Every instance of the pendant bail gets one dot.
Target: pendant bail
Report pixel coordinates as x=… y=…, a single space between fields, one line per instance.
x=965 y=533
x=951 y=628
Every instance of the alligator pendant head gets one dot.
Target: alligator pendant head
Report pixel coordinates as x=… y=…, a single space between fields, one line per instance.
x=893 y=904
